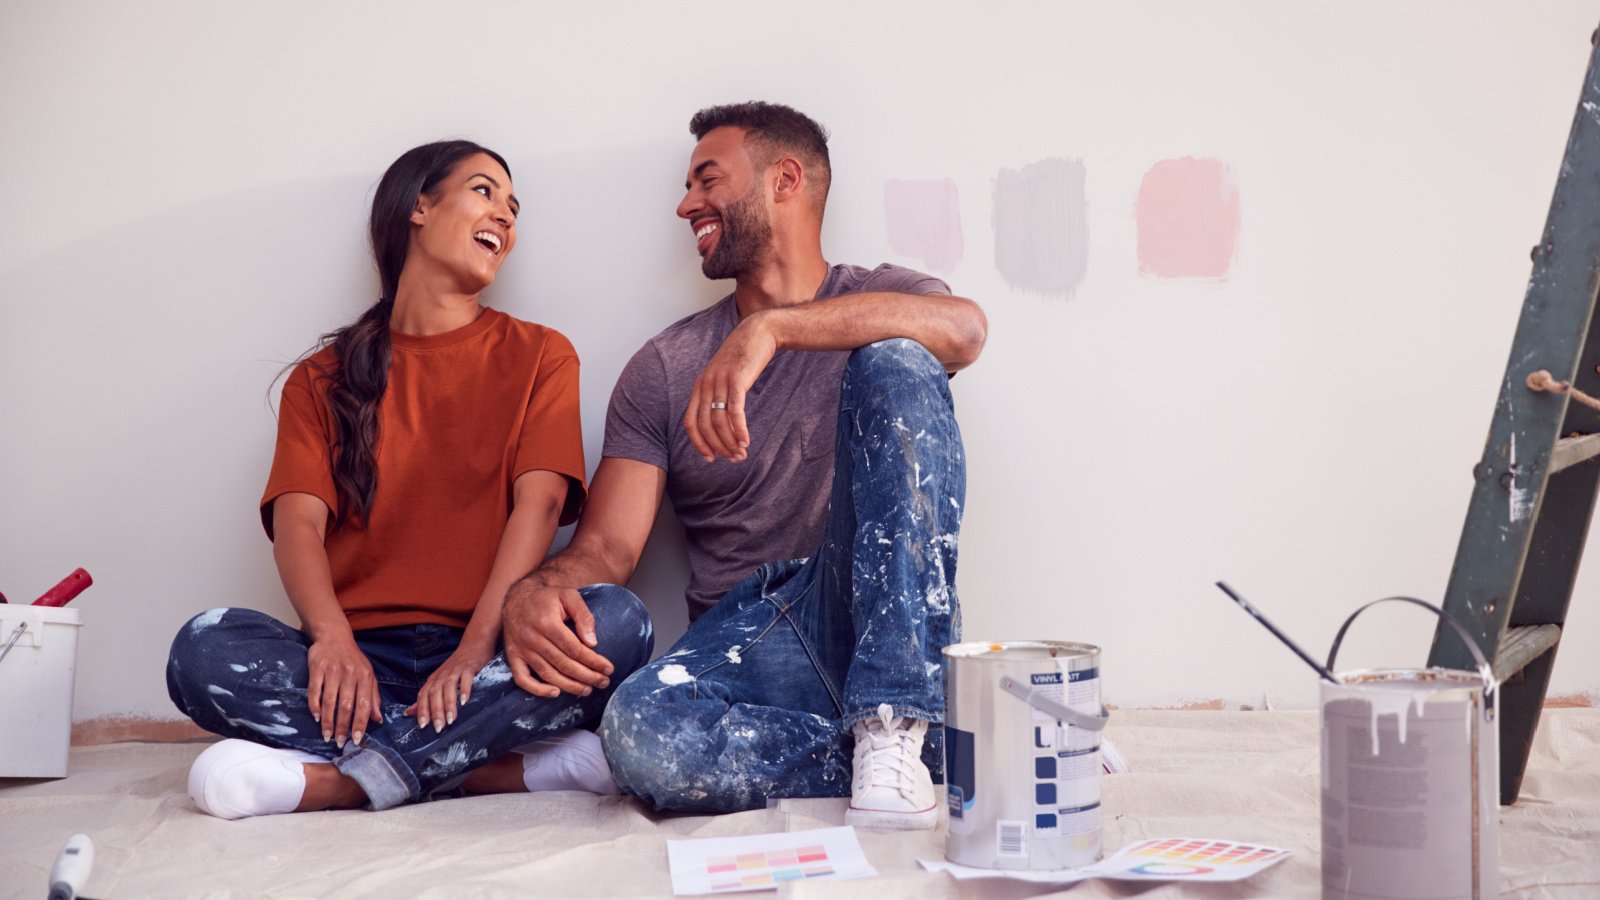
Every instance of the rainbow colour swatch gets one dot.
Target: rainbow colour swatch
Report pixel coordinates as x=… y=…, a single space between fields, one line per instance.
x=1187 y=857
x=767 y=868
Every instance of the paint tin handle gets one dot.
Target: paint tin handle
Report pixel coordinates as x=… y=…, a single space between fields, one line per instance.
x=15 y=636
x=1484 y=669
x=1048 y=706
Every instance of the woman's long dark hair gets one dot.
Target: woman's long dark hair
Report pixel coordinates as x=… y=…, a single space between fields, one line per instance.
x=361 y=373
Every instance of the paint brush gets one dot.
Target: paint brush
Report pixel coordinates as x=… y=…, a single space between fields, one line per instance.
x=1256 y=613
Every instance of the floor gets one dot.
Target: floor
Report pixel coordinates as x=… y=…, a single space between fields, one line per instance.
x=1249 y=776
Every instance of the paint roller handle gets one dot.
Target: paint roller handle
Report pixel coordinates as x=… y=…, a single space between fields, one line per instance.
x=1484 y=669
x=67 y=588
x=72 y=867
x=1050 y=707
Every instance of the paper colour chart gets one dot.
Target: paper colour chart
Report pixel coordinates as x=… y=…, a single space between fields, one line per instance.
x=1188 y=857
x=764 y=862
x=767 y=868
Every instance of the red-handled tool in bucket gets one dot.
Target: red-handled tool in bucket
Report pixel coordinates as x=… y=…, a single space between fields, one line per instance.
x=67 y=588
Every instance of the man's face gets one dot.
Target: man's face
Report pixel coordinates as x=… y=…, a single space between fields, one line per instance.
x=725 y=204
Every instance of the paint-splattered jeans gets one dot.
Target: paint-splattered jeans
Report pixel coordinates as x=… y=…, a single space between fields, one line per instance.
x=241 y=673
x=757 y=700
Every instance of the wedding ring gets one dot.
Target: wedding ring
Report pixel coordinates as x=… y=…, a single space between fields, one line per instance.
x=719 y=404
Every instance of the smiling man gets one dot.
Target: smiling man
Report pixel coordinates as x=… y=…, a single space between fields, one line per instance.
x=803 y=429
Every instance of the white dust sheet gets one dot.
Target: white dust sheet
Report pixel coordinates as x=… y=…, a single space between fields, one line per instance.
x=1250 y=776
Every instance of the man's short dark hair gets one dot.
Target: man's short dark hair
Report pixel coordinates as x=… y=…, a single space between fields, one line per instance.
x=771 y=130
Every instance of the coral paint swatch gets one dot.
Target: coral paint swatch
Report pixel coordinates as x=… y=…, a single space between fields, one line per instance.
x=1188 y=218
x=924 y=219
x=1041 y=226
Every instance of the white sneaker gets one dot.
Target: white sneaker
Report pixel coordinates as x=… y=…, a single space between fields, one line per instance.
x=892 y=788
x=234 y=778
x=570 y=761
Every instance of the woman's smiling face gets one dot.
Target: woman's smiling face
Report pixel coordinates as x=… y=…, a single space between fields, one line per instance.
x=468 y=225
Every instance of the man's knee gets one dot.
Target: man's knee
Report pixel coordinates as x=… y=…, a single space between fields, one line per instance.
x=621 y=625
x=631 y=740
x=892 y=372
x=656 y=747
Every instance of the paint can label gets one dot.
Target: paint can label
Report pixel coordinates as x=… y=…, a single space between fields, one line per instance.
x=1066 y=760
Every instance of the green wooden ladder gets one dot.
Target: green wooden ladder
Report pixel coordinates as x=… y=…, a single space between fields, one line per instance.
x=1534 y=489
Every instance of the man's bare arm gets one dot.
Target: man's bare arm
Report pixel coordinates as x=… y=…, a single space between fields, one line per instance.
x=545 y=654
x=953 y=329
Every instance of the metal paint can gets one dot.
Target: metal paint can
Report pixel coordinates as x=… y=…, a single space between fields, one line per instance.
x=1410 y=782
x=1022 y=754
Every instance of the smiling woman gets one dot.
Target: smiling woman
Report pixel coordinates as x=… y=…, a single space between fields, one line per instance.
x=426 y=454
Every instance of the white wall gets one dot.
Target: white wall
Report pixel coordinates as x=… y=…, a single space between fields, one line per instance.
x=182 y=195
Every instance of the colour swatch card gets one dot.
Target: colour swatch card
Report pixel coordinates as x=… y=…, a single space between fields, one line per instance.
x=761 y=862
x=1167 y=859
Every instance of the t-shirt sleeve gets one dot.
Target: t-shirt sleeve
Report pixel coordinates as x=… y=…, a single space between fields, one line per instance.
x=638 y=416
x=302 y=462
x=901 y=280
x=552 y=430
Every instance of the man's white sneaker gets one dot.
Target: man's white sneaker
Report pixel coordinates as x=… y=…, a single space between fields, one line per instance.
x=570 y=761
x=233 y=779
x=892 y=788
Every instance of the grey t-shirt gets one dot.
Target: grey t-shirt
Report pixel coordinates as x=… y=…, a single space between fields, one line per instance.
x=772 y=506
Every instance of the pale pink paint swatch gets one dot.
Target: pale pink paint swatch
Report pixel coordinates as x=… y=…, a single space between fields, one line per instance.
x=924 y=221
x=1188 y=217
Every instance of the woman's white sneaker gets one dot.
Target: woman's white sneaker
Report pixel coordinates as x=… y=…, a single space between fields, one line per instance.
x=891 y=788
x=234 y=779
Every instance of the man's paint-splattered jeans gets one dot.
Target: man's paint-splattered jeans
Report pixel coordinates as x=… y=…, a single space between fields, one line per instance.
x=241 y=673
x=757 y=699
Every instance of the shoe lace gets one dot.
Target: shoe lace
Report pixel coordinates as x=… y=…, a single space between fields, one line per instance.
x=892 y=752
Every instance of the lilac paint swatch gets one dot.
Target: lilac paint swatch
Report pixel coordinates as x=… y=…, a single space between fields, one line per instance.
x=1041 y=226
x=1188 y=217
x=924 y=220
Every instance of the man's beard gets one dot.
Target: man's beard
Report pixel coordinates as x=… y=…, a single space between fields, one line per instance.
x=745 y=234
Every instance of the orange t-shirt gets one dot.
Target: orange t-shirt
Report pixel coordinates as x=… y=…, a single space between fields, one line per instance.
x=464 y=414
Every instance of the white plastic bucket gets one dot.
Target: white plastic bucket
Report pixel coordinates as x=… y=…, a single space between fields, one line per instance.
x=1022 y=754
x=36 y=681
x=1410 y=782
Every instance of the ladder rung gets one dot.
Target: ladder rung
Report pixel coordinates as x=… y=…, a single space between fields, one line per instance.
x=1522 y=645
x=1573 y=450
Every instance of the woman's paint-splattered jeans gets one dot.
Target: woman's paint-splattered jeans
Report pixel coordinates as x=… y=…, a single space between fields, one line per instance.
x=241 y=673
x=756 y=701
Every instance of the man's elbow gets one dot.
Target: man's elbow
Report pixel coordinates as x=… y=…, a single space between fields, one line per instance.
x=969 y=332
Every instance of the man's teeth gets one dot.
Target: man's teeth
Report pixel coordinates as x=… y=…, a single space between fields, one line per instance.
x=490 y=238
x=705 y=230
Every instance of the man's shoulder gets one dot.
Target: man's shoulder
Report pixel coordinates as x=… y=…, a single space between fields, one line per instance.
x=847 y=278
x=695 y=328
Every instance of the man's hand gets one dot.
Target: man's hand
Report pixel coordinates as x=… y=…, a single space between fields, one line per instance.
x=545 y=654
x=342 y=692
x=726 y=379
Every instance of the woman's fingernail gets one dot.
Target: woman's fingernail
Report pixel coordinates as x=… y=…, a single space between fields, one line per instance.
x=356 y=738
x=450 y=718
x=339 y=743
x=327 y=735
x=316 y=716
x=438 y=726
x=422 y=722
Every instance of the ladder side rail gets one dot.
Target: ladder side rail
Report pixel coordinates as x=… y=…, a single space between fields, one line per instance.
x=1510 y=478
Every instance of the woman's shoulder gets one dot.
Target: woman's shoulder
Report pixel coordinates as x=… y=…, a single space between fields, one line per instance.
x=535 y=337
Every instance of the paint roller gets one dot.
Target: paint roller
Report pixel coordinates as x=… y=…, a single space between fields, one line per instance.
x=72 y=868
x=65 y=589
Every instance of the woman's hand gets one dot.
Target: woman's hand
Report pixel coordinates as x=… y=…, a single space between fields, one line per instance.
x=450 y=685
x=342 y=692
